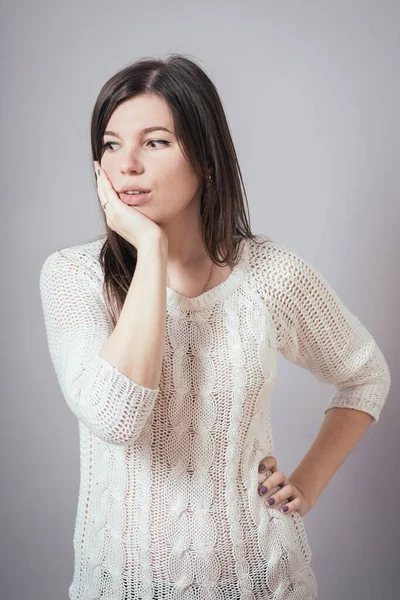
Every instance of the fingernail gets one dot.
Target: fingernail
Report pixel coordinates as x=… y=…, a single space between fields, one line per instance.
x=263 y=490
x=271 y=501
x=285 y=508
x=261 y=467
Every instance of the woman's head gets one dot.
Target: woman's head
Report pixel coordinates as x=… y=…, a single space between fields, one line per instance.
x=153 y=160
x=177 y=94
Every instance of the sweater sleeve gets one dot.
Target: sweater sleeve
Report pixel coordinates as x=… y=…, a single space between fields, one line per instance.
x=318 y=332
x=113 y=406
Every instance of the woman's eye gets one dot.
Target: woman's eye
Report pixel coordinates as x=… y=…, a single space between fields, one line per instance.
x=108 y=145
x=158 y=141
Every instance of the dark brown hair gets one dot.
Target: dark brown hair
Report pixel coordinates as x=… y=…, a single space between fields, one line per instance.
x=203 y=134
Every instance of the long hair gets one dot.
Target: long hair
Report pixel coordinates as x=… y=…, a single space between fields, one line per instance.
x=202 y=131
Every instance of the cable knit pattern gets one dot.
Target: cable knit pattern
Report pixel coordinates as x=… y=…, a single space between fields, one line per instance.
x=168 y=503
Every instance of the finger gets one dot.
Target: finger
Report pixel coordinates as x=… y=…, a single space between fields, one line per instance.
x=276 y=480
x=97 y=170
x=106 y=183
x=96 y=166
x=290 y=506
x=284 y=493
x=286 y=496
x=267 y=464
x=103 y=196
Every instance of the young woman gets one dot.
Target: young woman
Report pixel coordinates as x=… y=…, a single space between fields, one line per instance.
x=164 y=335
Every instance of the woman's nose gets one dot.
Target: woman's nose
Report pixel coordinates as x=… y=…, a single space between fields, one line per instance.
x=132 y=166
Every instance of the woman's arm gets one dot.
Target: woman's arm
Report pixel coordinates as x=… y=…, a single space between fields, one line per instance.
x=142 y=319
x=109 y=401
x=317 y=332
x=341 y=430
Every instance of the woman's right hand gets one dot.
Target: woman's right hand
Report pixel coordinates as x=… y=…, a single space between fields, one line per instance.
x=125 y=220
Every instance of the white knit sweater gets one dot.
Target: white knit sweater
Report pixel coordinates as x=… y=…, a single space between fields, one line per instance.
x=168 y=503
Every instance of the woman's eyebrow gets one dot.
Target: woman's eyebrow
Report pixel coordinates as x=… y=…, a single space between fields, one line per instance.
x=145 y=130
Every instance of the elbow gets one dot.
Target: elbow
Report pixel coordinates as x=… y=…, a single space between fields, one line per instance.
x=115 y=437
x=387 y=379
x=383 y=384
x=369 y=395
x=113 y=407
x=117 y=423
x=118 y=433
x=383 y=389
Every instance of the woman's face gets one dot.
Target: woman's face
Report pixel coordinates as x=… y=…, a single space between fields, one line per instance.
x=151 y=160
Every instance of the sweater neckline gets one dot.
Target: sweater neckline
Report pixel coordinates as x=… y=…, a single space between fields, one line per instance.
x=220 y=291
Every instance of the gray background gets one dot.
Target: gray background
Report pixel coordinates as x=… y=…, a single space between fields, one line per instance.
x=311 y=92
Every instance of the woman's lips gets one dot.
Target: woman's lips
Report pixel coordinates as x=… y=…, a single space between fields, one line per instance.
x=134 y=199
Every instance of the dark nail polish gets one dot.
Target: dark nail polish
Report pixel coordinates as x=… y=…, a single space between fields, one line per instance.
x=263 y=490
x=261 y=467
x=271 y=501
x=285 y=508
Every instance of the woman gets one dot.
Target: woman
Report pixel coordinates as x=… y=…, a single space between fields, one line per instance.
x=164 y=336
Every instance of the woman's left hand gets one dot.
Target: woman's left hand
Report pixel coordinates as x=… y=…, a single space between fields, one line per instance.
x=297 y=500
